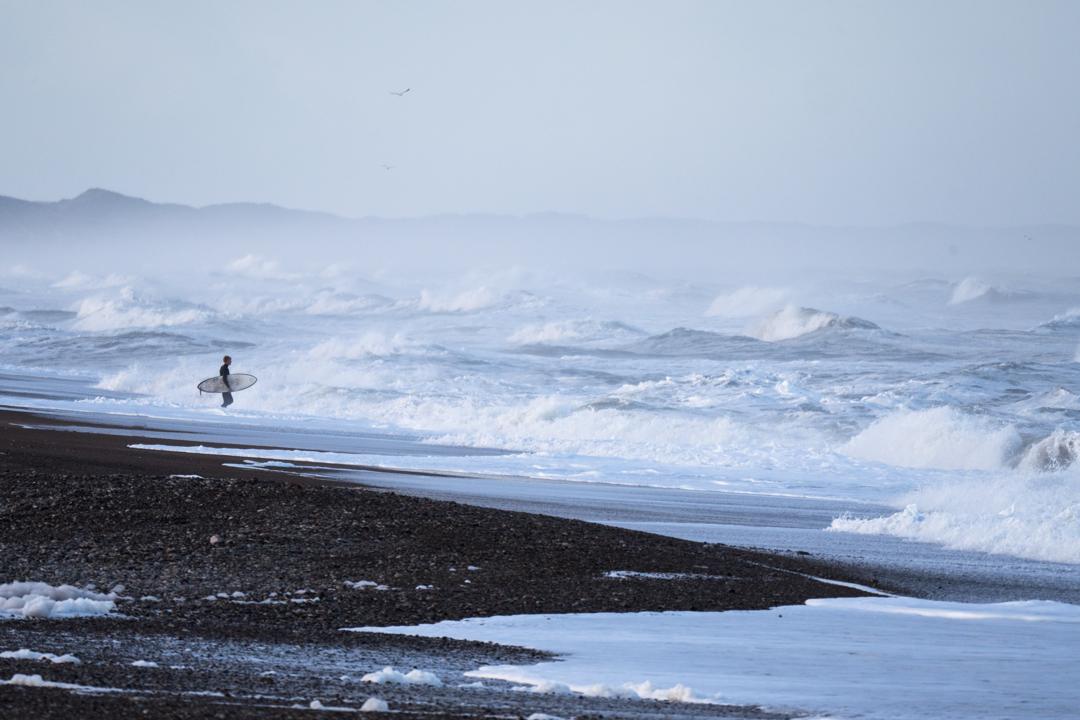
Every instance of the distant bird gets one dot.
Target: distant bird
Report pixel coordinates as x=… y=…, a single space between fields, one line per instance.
x=384 y=166
x=399 y=94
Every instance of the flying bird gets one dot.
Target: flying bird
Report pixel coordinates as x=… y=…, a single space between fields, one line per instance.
x=384 y=166
x=399 y=94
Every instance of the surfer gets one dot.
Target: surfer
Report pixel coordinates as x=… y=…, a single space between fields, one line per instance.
x=226 y=398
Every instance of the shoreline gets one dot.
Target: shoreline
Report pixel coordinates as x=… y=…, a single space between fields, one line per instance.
x=83 y=508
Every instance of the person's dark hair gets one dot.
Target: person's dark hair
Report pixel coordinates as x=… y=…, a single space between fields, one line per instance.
x=226 y=359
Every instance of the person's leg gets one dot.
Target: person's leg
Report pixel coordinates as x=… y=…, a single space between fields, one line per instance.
x=226 y=399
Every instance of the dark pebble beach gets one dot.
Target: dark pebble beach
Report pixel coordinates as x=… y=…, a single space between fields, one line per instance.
x=237 y=564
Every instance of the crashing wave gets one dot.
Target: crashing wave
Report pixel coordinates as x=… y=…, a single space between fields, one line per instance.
x=571 y=331
x=1066 y=321
x=479 y=298
x=127 y=310
x=747 y=301
x=1055 y=452
x=369 y=344
x=341 y=303
x=1016 y=514
x=793 y=322
x=947 y=439
x=940 y=437
x=323 y=302
x=972 y=289
x=257 y=267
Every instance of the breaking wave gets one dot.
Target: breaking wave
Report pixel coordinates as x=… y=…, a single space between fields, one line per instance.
x=945 y=438
x=370 y=344
x=1053 y=453
x=940 y=437
x=475 y=299
x=571 y=331
x=748 y=301
x=127 y=310
x=792 y=322
x=1031 y=516
x=1066 y=321
x=972 y=289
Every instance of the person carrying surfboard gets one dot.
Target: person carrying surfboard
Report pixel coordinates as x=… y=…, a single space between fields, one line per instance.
x=226 y=382
x=226 y=398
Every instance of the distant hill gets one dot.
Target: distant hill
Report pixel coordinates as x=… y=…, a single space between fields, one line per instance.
x=105 y=228
x=99 y=211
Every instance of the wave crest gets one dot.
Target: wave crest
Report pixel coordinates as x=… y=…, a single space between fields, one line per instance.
x=574 y=331
x=1035 y=517
x=747 y=301
x=1053 y=453
x=940 y=437
x=127 y=310
x=793 y=321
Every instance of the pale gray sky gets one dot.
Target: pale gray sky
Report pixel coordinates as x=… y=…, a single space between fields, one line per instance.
x=822 y=112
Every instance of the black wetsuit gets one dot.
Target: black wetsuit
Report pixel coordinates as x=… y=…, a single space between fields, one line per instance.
x=226 y=398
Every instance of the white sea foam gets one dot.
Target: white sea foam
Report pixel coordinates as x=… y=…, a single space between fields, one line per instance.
x=37 y=681
x=374 y=704
x=336 y=303
x=389 y=675
x=370 y=343
x=1055 y=452
x=968 y=289
x=941 y=437
x=126 y=310
x=466 y=301
x=969 y=661
x=972 y=289
x=257 y=266
x=1026 y=515
x=1068 y=320
x=26 y=654
x=574 y=331
x=41 y=600
x=553 y=424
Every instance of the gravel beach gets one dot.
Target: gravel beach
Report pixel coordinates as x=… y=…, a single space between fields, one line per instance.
x=235 y=583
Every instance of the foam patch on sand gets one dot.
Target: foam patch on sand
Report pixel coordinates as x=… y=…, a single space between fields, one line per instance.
x=389 y=675
x=40 y=682
x=374 y=704
x=41 y=600
x=26 y=654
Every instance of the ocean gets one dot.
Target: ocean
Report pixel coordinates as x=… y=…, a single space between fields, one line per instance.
x=950 y=402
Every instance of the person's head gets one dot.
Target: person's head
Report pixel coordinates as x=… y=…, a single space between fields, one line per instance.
x=227 y=360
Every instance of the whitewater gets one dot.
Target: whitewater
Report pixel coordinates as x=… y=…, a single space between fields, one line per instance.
x=952 y=400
